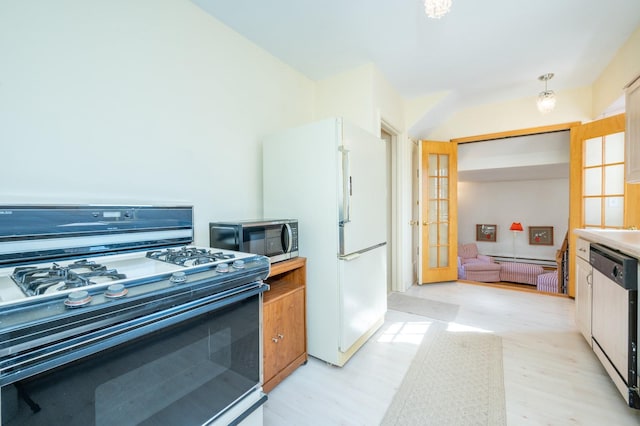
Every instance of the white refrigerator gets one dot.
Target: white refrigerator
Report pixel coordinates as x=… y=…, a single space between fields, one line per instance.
x=331 y=176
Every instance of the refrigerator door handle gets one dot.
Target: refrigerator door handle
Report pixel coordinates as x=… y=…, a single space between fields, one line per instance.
x=349 y=257
x=357 y=254
x=346 y=186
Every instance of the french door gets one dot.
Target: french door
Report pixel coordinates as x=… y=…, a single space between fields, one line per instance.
x=599 y=197
x=438 y=222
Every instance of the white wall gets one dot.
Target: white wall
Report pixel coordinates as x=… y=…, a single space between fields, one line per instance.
x=349 y=95
x=134 y=102
x=532 y=203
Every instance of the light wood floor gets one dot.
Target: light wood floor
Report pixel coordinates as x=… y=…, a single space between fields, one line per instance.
x=551 y=376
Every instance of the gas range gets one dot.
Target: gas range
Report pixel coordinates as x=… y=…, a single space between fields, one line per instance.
x=99 y=299
x=112 y=273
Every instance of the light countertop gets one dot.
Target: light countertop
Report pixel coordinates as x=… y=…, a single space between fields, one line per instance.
x=625 y=241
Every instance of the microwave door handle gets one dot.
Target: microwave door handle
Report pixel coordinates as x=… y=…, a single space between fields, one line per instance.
x=288 y=238
x=346 y=186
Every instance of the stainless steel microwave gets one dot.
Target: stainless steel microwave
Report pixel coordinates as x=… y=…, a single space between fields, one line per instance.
x=276 y=239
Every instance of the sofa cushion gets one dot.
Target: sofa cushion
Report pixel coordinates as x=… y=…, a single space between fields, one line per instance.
x=468 y=251
x=484 y=272
x=525 y=273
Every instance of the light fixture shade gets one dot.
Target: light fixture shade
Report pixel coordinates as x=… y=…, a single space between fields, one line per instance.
x=516 y=226
x=437 y=8
x=546 y=101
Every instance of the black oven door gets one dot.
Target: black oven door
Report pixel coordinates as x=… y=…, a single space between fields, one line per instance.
x=183 y=368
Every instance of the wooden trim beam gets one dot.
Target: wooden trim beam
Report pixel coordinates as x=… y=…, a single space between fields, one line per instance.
x=520 y=132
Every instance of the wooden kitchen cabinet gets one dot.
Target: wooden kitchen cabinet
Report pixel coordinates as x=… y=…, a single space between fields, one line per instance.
x=284 y=321
x=632 y=132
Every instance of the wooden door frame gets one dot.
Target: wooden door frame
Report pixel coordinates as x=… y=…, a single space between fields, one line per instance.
x=575 y=180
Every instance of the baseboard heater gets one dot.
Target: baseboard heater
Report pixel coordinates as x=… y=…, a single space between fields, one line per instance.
x=542 y=262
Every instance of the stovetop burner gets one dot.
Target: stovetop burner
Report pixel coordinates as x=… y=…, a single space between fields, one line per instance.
x=34 y=281
x=189 y=256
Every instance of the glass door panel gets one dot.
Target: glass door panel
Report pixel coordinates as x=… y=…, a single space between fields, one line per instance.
x=614 y=212
x=592 y=152
x=614 y=148
x=614 y=179
x=592 y=212
x=593 y=181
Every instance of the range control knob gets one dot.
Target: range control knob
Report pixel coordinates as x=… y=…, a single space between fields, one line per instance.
x=178 y=277
x=77 y=298
x=222 y=267
x=115 y=290
x=238 y=264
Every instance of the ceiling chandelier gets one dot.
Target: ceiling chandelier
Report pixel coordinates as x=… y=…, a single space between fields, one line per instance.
x=436 y=8
x=546 y=99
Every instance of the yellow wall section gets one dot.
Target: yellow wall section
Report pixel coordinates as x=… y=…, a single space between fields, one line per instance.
x=573 y=105
x=622 y=69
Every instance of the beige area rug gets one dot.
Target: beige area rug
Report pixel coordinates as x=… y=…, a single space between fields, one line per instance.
x=456 y=378
x=424 y=307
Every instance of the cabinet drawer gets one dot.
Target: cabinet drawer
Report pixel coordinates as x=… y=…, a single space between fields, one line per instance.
x=582 y=249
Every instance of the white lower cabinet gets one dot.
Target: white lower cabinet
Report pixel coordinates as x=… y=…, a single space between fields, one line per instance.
x=584 y=292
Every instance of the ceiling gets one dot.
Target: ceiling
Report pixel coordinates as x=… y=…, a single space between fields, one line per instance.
x=482 y=51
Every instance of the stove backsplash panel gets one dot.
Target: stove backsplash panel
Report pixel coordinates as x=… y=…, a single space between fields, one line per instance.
x=37 y=233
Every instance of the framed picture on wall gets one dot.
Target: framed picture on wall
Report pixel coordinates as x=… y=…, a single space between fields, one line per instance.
x=541 y=235
x=486 y=233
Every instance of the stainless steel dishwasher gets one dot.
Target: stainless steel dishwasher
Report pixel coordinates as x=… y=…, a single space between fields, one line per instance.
x=615 y=318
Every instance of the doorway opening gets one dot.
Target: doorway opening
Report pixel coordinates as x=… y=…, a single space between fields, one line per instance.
x=389 y=135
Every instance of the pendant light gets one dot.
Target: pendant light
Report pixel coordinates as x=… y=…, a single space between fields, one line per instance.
x=436 y=9
x=546 y=99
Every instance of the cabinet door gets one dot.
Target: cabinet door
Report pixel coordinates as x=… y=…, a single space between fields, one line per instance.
x=584 y=280
x=284 y=332
x=271 y=318
x=293 y=329
x=632 y=149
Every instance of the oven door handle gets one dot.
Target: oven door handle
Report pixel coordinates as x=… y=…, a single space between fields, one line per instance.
x=13 y=369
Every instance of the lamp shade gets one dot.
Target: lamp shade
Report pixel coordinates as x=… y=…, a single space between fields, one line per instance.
x=546 y=101
x=516 y=226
